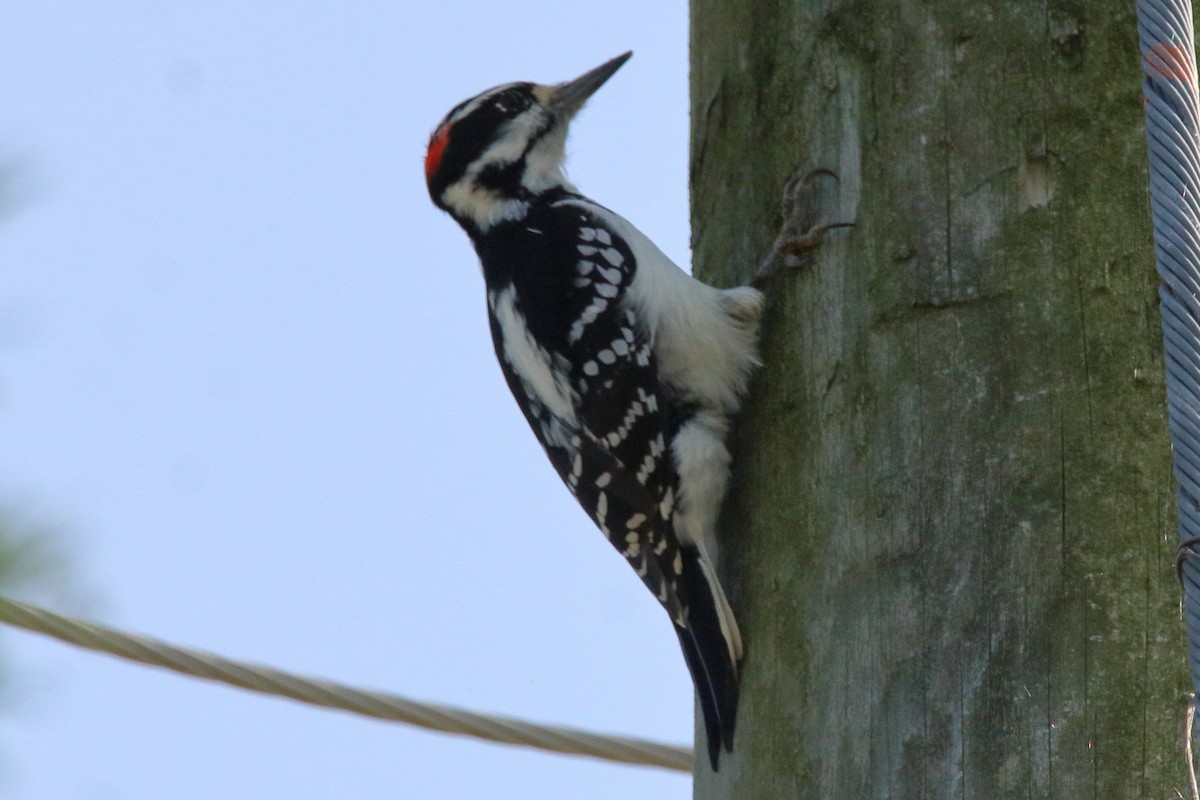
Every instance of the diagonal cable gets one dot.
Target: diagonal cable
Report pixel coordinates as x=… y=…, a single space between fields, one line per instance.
x=315 y=691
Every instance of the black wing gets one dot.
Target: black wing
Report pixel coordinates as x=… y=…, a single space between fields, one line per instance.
x=580 y=364
x=586 y=380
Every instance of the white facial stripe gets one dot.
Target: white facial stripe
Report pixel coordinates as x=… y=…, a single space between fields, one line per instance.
x=477 y=101
x=485 y=207
x=542 y=166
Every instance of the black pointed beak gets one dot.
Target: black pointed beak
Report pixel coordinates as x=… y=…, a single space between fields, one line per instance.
x=567 y=98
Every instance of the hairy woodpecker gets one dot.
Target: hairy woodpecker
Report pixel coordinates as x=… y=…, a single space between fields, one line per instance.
x=627 y=369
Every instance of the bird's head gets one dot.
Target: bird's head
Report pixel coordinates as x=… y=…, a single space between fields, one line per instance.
x=495 y=153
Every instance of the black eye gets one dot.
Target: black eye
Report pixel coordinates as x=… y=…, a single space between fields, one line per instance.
x=511 y=102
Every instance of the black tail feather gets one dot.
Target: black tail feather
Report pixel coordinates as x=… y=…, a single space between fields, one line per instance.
x=708 y=659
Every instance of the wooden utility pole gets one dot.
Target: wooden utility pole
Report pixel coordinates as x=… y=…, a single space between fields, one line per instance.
x=951 y=535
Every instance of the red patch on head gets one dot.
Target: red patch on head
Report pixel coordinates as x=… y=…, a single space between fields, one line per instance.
x=437 y=146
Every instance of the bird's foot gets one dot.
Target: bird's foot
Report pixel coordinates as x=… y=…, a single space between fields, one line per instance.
x=803 y=227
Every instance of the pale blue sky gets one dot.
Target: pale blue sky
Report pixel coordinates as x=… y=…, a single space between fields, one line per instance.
x=245 y=369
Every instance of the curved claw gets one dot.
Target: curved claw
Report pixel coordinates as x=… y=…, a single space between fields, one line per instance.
x=798 y=182
x=796 y=236
x=811 y=238
x=790 y=249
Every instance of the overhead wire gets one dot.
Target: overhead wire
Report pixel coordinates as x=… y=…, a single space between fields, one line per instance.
x=318 y=692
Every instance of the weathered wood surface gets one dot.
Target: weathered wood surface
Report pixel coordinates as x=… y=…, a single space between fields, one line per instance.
x=953 y=555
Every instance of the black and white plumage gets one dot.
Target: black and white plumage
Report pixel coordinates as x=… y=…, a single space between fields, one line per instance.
x=627 y=369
